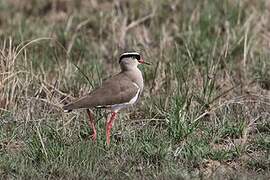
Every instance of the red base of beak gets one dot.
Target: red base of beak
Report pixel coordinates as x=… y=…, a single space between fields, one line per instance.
x=143 y=62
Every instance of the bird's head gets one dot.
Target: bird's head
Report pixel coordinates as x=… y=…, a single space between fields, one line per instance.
x=129 y=60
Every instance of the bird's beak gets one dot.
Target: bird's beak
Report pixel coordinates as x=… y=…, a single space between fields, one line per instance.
x=141 y=61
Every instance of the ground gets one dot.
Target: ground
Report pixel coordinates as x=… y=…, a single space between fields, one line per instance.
x=204 y=112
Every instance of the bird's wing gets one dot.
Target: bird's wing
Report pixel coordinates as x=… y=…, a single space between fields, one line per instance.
x=116 y=90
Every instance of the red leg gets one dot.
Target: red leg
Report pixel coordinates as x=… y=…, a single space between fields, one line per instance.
x=92 y=124
x=109 y=125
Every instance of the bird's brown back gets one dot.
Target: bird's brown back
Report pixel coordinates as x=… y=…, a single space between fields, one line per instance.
x=116 y=90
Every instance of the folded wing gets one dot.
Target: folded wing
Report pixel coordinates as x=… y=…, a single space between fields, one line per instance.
x=117 y=90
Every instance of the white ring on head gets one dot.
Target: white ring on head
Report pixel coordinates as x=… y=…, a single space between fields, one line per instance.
x=130 y=53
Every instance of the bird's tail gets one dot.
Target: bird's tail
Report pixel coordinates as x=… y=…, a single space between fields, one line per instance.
x=68 y=108
x=80 y=103
x=83 y=102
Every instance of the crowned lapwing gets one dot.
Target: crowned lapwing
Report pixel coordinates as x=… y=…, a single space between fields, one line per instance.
x=118 y=92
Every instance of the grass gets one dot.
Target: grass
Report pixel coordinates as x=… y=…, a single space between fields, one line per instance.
x=204 y=112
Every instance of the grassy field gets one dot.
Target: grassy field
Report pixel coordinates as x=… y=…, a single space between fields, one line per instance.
x=204 y=113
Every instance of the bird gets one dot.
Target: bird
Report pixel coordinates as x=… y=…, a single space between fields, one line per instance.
x=118 y=92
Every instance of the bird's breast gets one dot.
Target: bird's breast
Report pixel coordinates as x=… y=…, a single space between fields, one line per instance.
x=138 y=79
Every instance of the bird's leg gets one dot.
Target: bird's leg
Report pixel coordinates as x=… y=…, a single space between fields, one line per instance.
x=109 y=125
x=92 y=124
